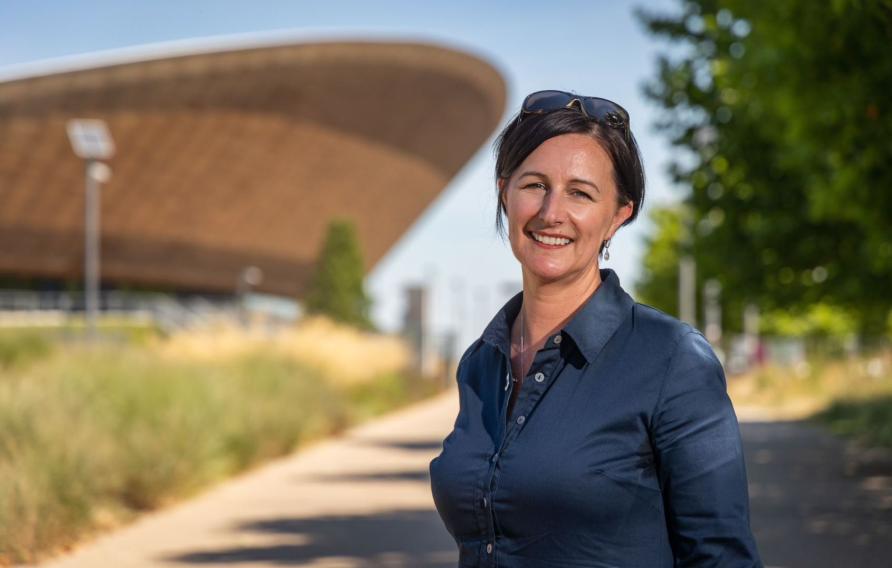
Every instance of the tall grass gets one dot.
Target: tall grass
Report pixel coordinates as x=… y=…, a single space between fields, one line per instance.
x=851 y=395
x=90 y=436
x=812 y=386
x=21 y=347
x=342 y=353
x=869 y=420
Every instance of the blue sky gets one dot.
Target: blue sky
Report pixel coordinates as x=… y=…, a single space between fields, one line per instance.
x=596 y=47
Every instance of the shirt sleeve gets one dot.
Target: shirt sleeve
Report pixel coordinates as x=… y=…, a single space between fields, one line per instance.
x=700 y=461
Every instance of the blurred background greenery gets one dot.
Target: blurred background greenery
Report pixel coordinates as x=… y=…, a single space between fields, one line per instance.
x=781 y=112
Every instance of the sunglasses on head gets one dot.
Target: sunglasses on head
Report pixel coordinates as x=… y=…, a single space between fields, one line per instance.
x=600 y=110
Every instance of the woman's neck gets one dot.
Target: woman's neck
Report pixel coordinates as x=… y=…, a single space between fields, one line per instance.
x=548 y=306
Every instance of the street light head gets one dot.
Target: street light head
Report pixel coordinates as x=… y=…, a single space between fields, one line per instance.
x=90 y=139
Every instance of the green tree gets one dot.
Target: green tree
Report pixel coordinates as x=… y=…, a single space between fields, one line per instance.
x=336 y=289
x=784 y=110
x=658 y=285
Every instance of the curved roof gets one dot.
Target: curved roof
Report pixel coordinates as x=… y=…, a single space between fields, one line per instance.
x=239 y=157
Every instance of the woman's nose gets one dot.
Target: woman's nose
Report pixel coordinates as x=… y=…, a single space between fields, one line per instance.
x=552 y=211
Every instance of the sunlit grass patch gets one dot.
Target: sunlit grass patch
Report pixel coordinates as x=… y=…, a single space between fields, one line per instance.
x=92 y=435
x=19 y=347
x=345 y=354
x=853 y=395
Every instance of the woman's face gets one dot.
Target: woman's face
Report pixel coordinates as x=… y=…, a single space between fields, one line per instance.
x=561 y=205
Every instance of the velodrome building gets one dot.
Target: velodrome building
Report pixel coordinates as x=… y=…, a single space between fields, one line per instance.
x=234 y=156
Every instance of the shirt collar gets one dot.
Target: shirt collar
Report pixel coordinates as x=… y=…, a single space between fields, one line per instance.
x=590 y=329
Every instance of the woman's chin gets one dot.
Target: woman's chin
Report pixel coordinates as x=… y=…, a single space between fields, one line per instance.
x=549 y=274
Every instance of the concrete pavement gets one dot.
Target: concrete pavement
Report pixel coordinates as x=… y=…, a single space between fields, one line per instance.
x=817 y=501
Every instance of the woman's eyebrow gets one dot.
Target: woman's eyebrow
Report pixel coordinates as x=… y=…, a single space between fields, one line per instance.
x=533 y=173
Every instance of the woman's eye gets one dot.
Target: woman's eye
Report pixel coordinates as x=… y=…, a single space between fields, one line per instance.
x=536 y=185
x=582 y=194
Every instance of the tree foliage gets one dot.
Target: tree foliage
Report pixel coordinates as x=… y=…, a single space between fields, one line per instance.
x=659 y=283
x=336 y=289
x=785 y=110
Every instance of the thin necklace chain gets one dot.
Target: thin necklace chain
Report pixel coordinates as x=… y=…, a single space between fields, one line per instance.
x=521 y=343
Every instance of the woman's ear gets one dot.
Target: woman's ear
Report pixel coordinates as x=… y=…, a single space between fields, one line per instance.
x=503 y=184
x=620 y=217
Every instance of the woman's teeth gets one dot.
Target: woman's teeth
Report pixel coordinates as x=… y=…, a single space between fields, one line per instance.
x=550 y=240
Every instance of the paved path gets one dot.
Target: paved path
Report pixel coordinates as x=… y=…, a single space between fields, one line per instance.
x=817 y=502
x=364 y=500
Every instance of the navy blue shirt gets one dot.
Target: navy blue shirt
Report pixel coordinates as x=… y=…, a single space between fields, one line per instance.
x=622 y=448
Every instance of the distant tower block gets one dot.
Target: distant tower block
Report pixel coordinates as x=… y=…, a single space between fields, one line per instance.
x=414 y=324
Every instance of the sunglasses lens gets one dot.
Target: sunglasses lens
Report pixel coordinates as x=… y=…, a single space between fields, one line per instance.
x=606 y=111
x=545 y=101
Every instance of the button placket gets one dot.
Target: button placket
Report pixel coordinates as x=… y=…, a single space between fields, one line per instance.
x=546 y=367
x=549 y=361
x=486 y=509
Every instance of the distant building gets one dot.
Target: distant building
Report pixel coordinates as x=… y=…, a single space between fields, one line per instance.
x=234 y=157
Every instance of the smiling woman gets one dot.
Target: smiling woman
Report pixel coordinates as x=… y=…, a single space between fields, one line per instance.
x=617 y=445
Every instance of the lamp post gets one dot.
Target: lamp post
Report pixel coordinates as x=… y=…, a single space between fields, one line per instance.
x=92 y=142
x=249 y=277
x=687 y=289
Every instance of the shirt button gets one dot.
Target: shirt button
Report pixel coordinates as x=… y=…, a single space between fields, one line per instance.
x=539 y=377
x=557 y=339
x=521 y=419
x=489 y=548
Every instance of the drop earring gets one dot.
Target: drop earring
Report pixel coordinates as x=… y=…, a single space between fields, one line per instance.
x=607 y=249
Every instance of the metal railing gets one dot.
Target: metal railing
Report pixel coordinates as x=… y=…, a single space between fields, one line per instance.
x=167 y=311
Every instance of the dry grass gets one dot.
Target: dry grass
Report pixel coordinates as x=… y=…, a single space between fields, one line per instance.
x=345 y=354
x=800 y=391
x=853 y=396
x=91 y=436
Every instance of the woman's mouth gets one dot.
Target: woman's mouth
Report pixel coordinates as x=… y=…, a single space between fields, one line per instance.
x=549 y=241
